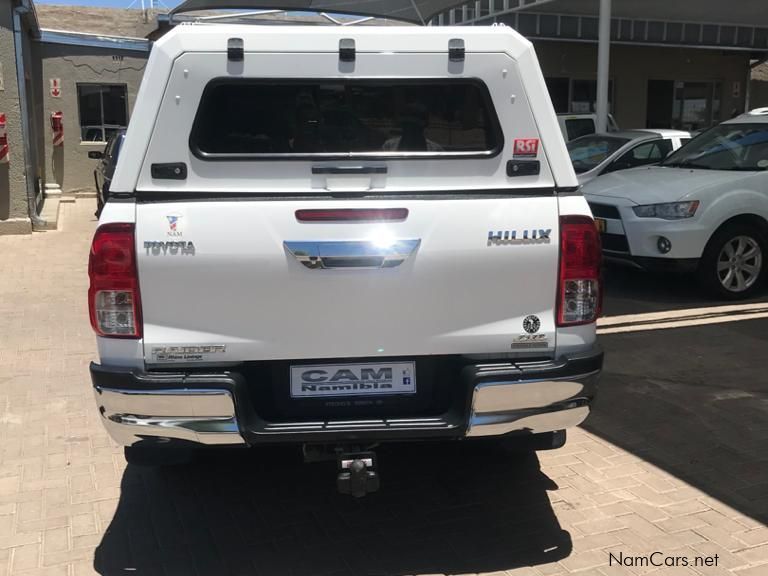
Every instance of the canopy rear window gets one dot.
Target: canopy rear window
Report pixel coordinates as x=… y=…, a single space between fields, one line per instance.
x=345 y=118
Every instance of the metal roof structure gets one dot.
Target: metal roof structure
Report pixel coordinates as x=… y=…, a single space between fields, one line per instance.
x=713 y=24
x=744 y=14
x=413 y=11
x=741 y=25
x=69 y=38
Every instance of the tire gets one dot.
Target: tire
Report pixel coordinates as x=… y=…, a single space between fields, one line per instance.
x=734 y=263
x=156 y=456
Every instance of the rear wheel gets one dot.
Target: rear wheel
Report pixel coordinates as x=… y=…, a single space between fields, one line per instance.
x=734 y=261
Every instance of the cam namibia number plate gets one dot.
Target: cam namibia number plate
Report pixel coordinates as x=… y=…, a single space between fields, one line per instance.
x=601 y=225
x=326 y=380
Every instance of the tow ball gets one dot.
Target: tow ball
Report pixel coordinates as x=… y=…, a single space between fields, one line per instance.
x=357 y=474
x=357 y=467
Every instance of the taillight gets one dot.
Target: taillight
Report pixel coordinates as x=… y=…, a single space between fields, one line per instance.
x=580 y=293
x=113 y=297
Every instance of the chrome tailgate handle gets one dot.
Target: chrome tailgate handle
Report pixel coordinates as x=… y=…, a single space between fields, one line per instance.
x=352 y=253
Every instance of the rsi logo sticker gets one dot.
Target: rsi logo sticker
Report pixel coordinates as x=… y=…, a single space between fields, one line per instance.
x=526 y=147
x=342 y=380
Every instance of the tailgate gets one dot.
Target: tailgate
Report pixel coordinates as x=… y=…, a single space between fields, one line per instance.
x=239 y=280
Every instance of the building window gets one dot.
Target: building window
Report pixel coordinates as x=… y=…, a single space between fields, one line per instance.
x=559 y=92
x=688 y=106
x=696 y=105
x=576 y=96
x=103 y=110
x=584 y=96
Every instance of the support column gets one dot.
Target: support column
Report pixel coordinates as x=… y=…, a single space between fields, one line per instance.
x=603 y=64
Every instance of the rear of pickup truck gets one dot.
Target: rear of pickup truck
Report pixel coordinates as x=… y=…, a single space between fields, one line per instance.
x=309 y=246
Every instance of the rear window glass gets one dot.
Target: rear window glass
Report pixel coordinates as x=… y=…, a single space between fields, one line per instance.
x=345 y=118
x=579 y=127
x=589 y=151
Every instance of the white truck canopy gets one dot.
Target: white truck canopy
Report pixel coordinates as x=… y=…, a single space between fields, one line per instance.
x=189 y=56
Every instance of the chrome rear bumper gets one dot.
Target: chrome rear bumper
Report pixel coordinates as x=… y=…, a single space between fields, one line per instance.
x=200 y=415
x=506 y=398
x=538 y=405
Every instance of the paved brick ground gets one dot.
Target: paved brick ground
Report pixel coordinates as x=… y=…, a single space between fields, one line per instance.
x=673 y=461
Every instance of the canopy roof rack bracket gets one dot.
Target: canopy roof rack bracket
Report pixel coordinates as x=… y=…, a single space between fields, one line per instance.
x=235 y=50
x=456 y=50
x=347 y=50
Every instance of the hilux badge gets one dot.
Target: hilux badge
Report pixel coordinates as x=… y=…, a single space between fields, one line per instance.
x=525 y=236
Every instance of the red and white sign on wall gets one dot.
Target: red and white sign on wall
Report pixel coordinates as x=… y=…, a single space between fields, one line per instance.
x=55 y=87
x=526 y=147
x=3 y=141
x=57 y=127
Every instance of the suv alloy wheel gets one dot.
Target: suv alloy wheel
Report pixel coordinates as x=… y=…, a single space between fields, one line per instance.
x=733 y=264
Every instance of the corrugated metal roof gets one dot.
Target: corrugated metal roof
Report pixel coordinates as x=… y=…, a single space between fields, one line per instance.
x=744 y=12
x=70 y=38
x=118 y=22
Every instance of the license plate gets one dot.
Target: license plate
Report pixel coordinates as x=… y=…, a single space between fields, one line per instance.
x=601 y=225
x=326 y=380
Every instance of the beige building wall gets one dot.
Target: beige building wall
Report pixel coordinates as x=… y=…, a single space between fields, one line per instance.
x=633 y=66
x=68 y=165
x=13 y=200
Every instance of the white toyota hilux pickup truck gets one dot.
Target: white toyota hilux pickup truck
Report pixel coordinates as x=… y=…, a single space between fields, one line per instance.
x=341 y=236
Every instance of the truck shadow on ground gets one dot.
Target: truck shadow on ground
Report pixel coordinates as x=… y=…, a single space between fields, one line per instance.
x=692 y=401
x=443 y=508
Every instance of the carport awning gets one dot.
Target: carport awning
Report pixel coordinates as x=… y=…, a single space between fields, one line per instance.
x=414 y=11
x=744 y=12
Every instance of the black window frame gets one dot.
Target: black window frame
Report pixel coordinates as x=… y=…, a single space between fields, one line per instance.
x=495 y=130
x=103 y=126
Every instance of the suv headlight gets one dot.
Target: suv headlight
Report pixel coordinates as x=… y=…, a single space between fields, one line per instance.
x=668 y=210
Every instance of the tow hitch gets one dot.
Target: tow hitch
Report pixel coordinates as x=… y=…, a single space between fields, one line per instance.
x=357 y=474
x=357 y=468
